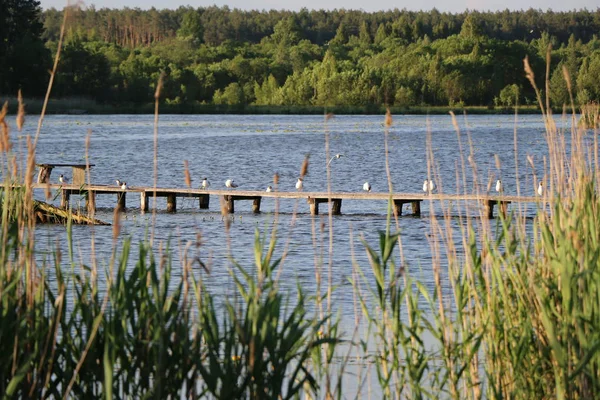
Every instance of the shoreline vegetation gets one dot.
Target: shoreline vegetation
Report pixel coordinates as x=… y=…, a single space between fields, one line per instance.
x=86 y=106
x=219 y=60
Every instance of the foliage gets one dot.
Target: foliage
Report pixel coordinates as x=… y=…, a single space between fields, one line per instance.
x=23 y=58
x=310 y=58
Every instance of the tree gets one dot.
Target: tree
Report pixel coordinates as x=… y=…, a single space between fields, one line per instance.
x=509 y=96
x=191 y=27
x=233 y=95
x=83 y=72
x=24 y=59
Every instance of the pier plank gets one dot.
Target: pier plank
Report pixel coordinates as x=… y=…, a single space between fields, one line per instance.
x=489 y=201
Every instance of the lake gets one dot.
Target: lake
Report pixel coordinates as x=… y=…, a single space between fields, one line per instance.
x=251 y=149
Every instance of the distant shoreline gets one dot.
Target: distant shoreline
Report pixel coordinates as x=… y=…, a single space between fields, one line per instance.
x=85 y=106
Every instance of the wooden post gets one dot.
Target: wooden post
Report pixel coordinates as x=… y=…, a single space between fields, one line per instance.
x=144 y=201
x=398 y=207
x=44 y=174
x=91 y=201
x=172 y=203
x=121 y=201
x=336 y=206
x=489 y=208
x=64 y=199
x=256 y=205
x=229 y=205
x=78 y=176
x=204 y=201
x=416 y=208
x=314 y=206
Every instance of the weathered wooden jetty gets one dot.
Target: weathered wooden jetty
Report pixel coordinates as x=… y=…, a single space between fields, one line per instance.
x=314 y=199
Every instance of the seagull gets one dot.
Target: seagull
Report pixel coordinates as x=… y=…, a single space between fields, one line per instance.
x=299 y=184
x=540 y=189
x=63 y=179
x=229 y=183
x=334 y=157
x=119 y=183
x=428 y=186
x=269 y=188
x=124 y=186
x=205 y=183
x=367 y=187
x=498 y=185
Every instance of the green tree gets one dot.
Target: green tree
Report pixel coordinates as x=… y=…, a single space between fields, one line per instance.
x=191 y=27
x=24 y=59
x=233 y=95
x=587 y=80
x=509 y=96
x=268 y=93
x=83 y=72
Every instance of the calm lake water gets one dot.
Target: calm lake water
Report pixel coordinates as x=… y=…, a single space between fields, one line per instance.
x=250 y=149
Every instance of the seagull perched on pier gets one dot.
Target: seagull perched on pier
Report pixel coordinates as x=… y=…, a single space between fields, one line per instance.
x=498 y=185
x=540 y=189
x=269 y=189
x=428 y=186
x=367 y=187
x=229 y=183
x=205 y=183
x=299 y=184
x=124 y=186
x=63 y=179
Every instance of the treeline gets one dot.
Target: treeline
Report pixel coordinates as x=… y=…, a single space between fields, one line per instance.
x=229 y=57
x=214 y=25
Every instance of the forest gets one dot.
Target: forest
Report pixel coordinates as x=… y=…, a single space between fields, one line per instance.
x=222 y=56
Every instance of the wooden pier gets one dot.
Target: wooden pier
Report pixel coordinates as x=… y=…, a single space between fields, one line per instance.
x=314 y=199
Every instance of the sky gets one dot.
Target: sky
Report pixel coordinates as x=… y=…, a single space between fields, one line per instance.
x=371 y=5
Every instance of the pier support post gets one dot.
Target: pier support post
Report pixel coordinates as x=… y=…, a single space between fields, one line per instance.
x=229 y=204
x=256 y=205
x=121 y=201
x=172 y=203
x=64 y=199
x=91 y=201
x=336 y=206
x=314 y=206
x=204 y=201
x=489 y=208
x=398 y=207
x=416 y=208
x=44 y=174
x=143 y=201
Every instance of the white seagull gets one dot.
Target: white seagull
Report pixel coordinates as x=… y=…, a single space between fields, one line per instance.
x=124 y=185
x=498 y=185
x=205 y=183
x=229 y=183
x=269 y=188
x=63 y=179
x=428 y=186
x=367 y=187
x=299 y=184
x=540 y=189
x=334 y=157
